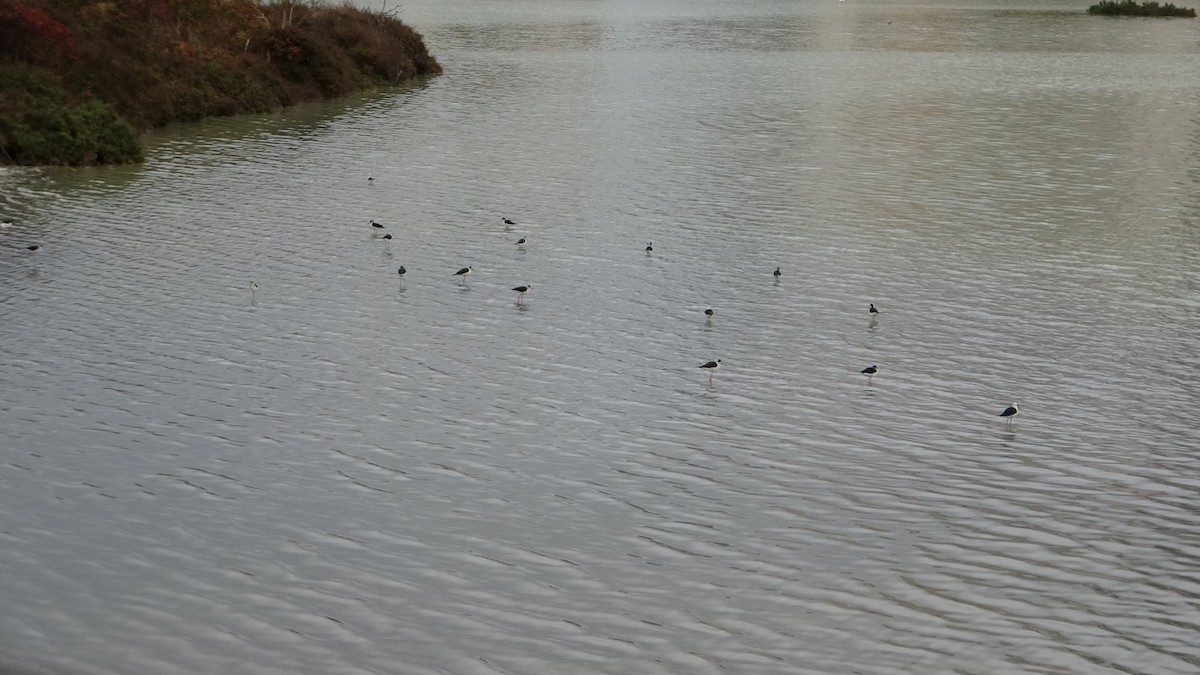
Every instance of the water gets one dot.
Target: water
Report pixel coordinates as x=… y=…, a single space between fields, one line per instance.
x=341 y=473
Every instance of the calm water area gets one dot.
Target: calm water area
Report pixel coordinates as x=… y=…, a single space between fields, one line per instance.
x=339 y=471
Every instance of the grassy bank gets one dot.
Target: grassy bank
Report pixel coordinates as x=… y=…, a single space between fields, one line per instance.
x=1131 y=8
x=79 y=79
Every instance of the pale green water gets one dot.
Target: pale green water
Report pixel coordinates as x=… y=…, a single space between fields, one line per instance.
x=346 y=474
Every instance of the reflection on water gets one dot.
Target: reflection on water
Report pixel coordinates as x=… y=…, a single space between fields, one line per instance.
x=235 y=440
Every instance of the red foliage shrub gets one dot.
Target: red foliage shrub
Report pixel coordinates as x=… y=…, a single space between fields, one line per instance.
x=29 y=33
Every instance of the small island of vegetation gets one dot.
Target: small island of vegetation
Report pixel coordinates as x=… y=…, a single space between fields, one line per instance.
x=80 y=79
x=1131 y=8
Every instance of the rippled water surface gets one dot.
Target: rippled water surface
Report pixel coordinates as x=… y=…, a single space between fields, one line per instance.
x=344 y=472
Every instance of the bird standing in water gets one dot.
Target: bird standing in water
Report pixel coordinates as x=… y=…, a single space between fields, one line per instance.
x=1009 y=413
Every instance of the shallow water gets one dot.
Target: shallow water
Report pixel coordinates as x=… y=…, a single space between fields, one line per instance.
x=340 y=472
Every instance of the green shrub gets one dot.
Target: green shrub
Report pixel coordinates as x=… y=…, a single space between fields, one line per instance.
x=39 y=125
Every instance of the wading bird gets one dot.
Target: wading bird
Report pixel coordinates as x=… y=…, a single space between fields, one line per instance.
x=1009 y=413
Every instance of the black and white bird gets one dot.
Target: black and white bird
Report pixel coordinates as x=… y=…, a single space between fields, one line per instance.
x=873 y=312
x=1009 y=413
x=464 y=272
x=870 y=371
x=521 y=241
x=402 y=272
x=522 y=290
x=378 y=226
x=709 y=312
x=5 y=224
x=649 y=247
x=777 y=274
x=35 y=248
x=387 y=236
x=253 y=288
x=508 y=221
x=711 y=367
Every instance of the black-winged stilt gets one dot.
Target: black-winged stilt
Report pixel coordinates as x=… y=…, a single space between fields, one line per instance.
x=508 y=221
x=873 y=312
x=522 y=290
x=649 y=247
x=5 y=224
x=870 y=371
x=402 y=272
x=777 y=274
x=35 y=248
x=711 y=367
x=521 y=241
x=464 y=272
x=378 y=226
x=709 y=312
x=1009 y=413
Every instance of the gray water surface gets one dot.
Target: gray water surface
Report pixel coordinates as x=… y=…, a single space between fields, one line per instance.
x=343 y=472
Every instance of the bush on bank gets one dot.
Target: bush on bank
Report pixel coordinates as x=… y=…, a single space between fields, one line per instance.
x=80 y=78
x=1131 y=8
